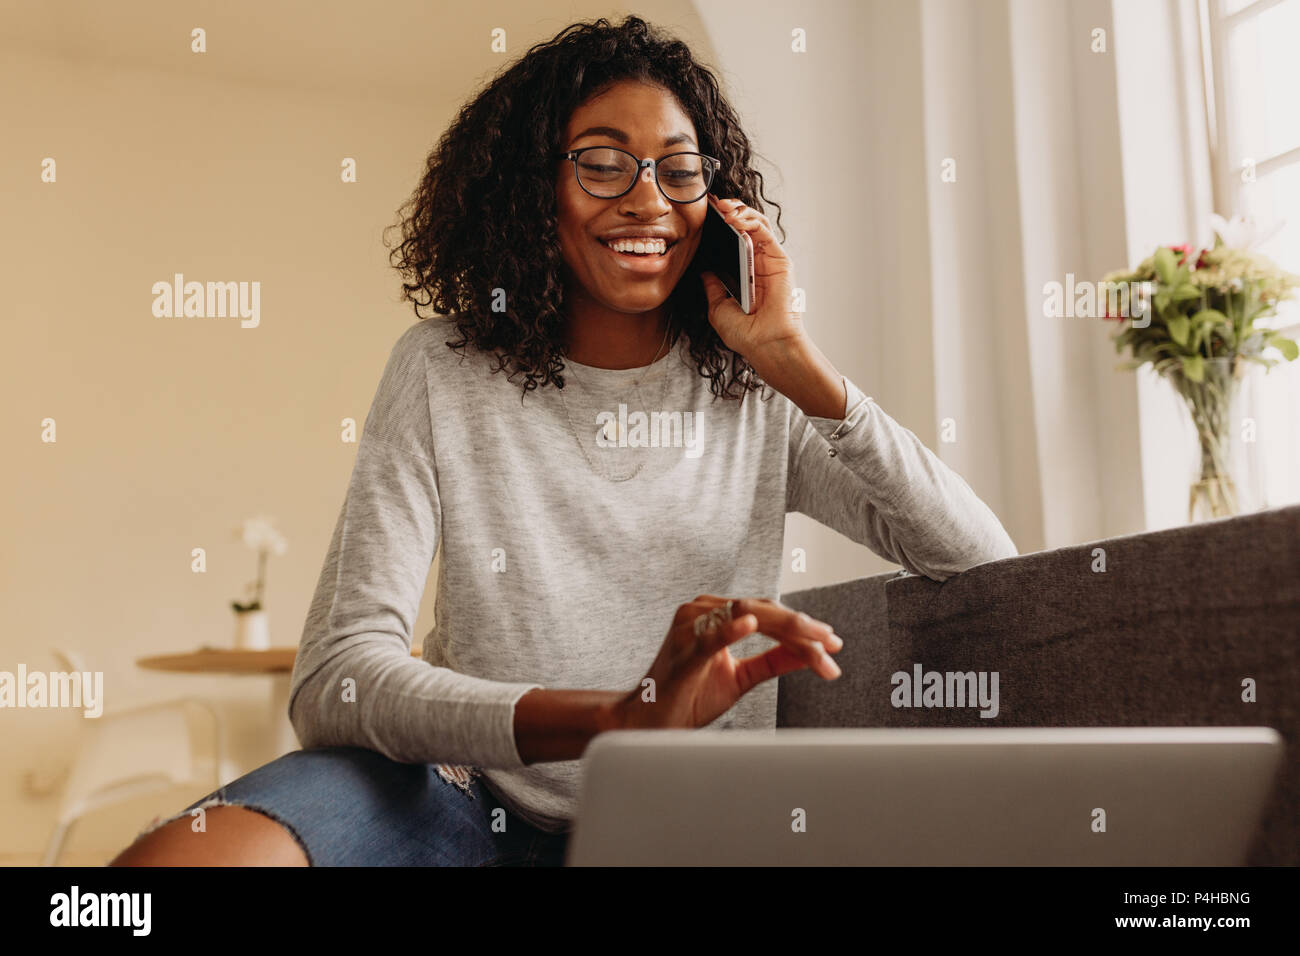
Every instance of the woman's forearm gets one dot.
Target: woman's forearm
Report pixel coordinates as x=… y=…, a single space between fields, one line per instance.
x=558 y=724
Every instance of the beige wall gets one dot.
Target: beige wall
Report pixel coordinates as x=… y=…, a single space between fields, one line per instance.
x=171 y=431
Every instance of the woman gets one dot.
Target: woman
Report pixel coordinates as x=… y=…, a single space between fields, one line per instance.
x=565 y=266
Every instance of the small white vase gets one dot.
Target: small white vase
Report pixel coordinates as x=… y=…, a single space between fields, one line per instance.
x=252 y=632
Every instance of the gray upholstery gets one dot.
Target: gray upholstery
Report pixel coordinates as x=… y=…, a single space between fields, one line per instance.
x=1164 y=637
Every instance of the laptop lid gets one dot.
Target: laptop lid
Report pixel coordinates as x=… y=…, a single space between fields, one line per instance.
x=1184 y=796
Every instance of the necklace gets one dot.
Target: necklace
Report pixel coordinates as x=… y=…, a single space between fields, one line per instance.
x=635 y=383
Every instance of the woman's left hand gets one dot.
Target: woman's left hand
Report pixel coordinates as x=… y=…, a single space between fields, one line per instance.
x=773 y=326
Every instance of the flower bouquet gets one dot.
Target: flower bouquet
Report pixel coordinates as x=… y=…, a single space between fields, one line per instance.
x=1204 y=320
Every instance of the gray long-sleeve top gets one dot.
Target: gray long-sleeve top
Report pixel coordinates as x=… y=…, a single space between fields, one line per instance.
x=554 y=576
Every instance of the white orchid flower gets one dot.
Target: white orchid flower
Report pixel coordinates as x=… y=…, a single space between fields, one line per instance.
x=259 y=534
x=1243 y=232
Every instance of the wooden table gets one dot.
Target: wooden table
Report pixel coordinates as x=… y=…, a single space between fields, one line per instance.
x=275 y=662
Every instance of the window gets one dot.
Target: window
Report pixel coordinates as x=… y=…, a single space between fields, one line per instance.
x=1252 y=77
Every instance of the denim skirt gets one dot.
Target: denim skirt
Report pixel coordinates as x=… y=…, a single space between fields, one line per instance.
x=350 y=806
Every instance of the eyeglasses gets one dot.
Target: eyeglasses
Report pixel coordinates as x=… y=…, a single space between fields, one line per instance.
x=607 y=173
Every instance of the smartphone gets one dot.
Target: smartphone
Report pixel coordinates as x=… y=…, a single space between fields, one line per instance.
x=729 y=254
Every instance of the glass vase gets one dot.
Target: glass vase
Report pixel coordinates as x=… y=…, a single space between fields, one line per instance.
x=1214 y=406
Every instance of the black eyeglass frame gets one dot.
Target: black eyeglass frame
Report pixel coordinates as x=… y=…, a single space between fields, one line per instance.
x=711 y=165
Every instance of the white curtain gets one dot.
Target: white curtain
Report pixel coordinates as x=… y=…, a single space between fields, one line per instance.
x=940 y=162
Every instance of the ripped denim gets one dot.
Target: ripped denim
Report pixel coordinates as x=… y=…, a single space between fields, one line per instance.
x=349 y=806
x=461 y=776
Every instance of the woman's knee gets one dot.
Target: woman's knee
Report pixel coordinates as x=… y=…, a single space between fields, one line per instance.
x=228 y=836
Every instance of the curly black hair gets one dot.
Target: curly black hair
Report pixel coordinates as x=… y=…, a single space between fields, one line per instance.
x=488 y=194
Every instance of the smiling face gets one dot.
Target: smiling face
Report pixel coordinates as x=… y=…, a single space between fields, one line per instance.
x=647 y=121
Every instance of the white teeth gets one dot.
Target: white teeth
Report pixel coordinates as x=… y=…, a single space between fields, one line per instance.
x=640 y=245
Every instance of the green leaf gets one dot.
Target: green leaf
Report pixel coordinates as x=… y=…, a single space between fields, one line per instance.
x=1286 y=346
x=1166 y=265
x=1178 y=326
x=1194 y=368
x=1162 y=301
x=1186 y=291
x=1210 y=317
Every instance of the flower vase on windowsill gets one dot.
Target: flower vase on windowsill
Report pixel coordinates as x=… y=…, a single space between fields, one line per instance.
x=252 y=631
x=1213 y=404
x=1198 y=319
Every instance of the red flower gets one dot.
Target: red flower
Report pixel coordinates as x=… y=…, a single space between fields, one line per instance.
x=1185 y=250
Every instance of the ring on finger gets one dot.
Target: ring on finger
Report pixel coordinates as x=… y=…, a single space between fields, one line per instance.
x=710 y=620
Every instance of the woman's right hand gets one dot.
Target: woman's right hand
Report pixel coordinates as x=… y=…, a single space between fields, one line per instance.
x=695 y=677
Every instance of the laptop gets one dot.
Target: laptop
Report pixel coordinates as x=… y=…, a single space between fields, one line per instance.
x=1162 y=796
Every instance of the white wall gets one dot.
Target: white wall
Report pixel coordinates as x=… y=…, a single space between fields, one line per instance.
x=841 y=148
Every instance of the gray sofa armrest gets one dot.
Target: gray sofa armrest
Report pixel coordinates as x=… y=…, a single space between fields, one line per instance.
x=1164 y=636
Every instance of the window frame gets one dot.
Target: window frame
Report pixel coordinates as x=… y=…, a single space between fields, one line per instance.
x=1224 y=171
x=1226 y=189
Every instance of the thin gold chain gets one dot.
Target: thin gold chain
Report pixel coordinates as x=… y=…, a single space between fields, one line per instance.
x=573 y=429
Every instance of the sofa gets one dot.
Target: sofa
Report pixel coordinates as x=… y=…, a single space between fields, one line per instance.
x=1142 y=630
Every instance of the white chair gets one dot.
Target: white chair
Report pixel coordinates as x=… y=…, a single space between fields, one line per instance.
x=131 y=752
